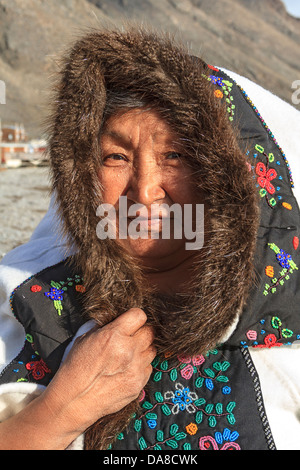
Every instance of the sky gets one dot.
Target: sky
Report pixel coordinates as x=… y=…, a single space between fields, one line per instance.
x=293 y=7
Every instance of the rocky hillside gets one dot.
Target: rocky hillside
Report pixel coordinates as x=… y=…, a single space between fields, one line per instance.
x=258 y=39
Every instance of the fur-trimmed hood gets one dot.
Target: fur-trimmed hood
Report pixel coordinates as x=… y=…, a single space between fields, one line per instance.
x=165 y=74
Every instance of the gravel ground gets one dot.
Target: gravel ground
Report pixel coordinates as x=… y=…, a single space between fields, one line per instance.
x=24 y=199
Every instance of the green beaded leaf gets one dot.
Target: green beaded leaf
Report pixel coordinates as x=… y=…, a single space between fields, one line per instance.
x=199 y=382
x=225 y=365
x=151 y=416
x=212 y=421
x=199 y=402
x=158 y=397
x=138 y=425
x=199 y=417
x=155 y=362
x=287 y=333
x=29 y=338
x=173 y=429
x=142 y=443
x=166 y=410
x=173 y=375
x=210 y=373
x=222 y=378
x=209 y=408
x=147 y=405
x=219 y=408
x=212 y=351
x=55 y=284
x=160 y=435
x=179 y=436
x=157 y=376
x=259 y=148
x=231 y=419
x=172 y=443
x=230 y=407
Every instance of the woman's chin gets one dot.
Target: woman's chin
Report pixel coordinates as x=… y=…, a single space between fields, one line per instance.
x=154 y=249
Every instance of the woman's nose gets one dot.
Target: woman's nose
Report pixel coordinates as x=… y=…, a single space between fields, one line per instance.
x=146 y=185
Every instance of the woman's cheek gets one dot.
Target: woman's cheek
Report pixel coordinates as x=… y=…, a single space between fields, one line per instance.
x=113 y=185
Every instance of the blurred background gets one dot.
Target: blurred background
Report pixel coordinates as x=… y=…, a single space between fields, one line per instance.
x=259 y=39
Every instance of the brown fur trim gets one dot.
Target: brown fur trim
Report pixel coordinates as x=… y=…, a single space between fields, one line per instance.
x=165 y=75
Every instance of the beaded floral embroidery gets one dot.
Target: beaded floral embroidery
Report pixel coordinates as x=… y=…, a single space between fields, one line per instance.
x=32 y=366
x=226 y=86
x=38 y=369
x=269 y=333
x=285 y=262
x=266 y=176
x=180 y=400
x=35 y=369
x=220 y=441
x=58 y=288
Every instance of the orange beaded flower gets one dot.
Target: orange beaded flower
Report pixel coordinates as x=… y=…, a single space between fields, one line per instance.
x=80 y=288
x=269 y=270
x=218 y=94
x=191 y=429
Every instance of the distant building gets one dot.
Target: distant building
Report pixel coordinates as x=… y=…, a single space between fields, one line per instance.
x=14 y=145
x=13 y=133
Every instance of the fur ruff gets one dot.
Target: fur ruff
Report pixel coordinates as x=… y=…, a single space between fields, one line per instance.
x=165 y=75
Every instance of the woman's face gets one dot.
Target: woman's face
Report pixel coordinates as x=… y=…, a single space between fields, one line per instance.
x=143 y=160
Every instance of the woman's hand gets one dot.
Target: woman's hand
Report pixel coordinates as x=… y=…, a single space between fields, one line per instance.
x=105 y=370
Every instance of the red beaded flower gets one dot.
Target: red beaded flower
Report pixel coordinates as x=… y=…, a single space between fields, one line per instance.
x=270 y=341
x=265 y=177
x=38 y=369
x=36 y=288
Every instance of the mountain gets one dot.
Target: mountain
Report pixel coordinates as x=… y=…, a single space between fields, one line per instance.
x=255 y=38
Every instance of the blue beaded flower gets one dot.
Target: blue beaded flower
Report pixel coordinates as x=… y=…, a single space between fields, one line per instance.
x=284 y=259
x=216 y=80
x=55 y=293
x=182 y=399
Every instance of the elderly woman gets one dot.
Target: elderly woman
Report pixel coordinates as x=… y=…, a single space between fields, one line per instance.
x=167 y=326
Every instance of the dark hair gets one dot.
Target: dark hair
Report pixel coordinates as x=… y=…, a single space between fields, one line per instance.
x=124 y=101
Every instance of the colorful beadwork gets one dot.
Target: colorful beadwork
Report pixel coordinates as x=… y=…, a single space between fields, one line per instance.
x=58 y=289
x=295 y=243
x=287 y=206
x=180 y=399
x=225 y=439
x=286 y=262
x=36 y=288
x=191 y=429
x=38 y=369
x=226 y=87
x=265 y=174
x=265 y=177
x=276 y=335
x=269 y=132
x=269 y=270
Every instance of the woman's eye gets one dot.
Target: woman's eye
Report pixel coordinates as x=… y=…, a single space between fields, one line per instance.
x=174 y=156
x=114 y=158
